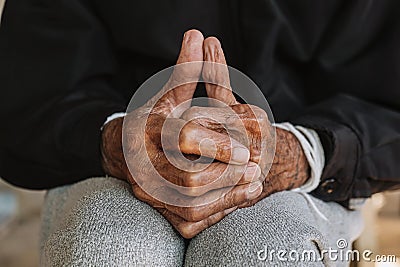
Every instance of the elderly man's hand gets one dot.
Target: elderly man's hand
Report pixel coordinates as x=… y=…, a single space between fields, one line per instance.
x=288 y=168
x=202 y=199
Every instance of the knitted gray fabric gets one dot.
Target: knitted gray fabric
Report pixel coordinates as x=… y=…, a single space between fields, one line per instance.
x=97 y=222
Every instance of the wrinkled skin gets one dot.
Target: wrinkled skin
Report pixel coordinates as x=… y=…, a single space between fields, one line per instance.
x=144 y=140
x=241 y=138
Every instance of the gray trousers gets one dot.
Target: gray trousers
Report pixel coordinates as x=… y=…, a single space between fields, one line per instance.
x=98 y=222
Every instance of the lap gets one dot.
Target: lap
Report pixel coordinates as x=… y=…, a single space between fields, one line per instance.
x=99 y=222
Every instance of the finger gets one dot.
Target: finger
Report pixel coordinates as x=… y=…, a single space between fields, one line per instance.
x=186 y=228
x=216 y=176
x=183 y=80
x=216 y=74
x=196 y=176
x=191 y=229
x=140 y=194
x=198 y=140
x=176 y=168
x=269 y=187
x=245 y=123
x=194 y=139
x=199 y=208
x=214 y=118
x=224 y=120
x=196 y=210
x=234 y=117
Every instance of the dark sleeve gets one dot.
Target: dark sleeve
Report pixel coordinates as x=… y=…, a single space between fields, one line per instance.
x=356 y=69
x=56 y=64
x=362 y=146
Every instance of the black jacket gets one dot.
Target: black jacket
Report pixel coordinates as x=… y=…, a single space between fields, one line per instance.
x=334 y=66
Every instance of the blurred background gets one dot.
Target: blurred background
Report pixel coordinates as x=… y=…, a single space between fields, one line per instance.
x=19 y=226
x=20 y=222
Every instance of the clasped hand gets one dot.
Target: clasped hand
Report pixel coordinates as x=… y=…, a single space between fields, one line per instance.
x=237 y=137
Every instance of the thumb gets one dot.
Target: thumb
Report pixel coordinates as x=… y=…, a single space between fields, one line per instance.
x=183 y=80
x=216 y=74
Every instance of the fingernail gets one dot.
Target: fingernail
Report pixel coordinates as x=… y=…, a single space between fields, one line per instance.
x=240 y=155
x=252 y=172
x=227 y=211
x=186 y=37
x=254 y=190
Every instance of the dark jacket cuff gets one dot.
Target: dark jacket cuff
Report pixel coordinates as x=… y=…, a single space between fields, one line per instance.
x=342 y=149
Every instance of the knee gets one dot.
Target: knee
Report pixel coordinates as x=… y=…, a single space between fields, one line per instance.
x=243 y=236
x=109 y=226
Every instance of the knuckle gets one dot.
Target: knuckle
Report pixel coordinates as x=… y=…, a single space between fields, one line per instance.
x=131 y=142
x=192 y=191
x=186 y=136
x=232 y=173
x=187 y=230
x=208 y=73
x=191 y=113
x=186 y=73
x=230 y=198
x=191 y=181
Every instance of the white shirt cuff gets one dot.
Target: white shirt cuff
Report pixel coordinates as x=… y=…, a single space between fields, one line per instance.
x=113 y=117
